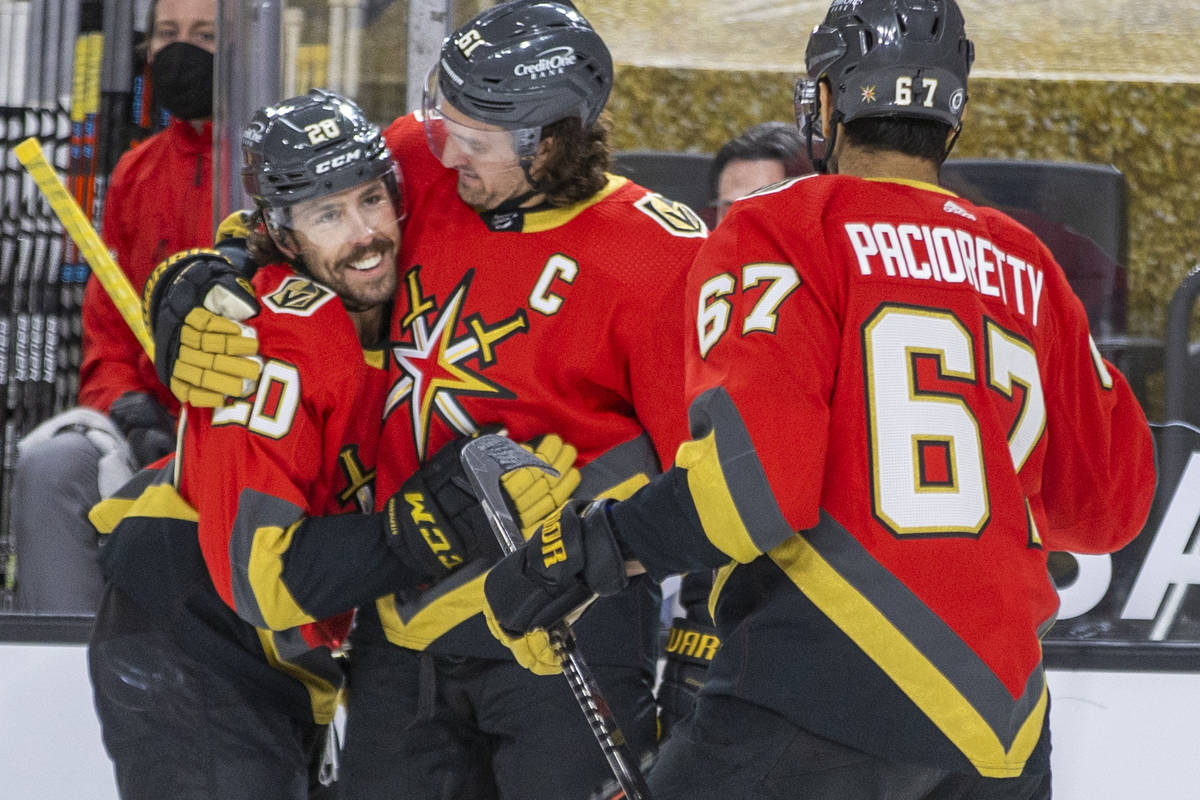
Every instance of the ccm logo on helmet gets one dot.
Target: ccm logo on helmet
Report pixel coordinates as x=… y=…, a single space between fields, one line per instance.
x=338 y=161
x=549 y=62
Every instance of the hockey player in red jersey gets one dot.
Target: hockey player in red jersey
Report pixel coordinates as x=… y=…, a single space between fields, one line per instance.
x=540 y=293
x=896 y=411
x=214 y=657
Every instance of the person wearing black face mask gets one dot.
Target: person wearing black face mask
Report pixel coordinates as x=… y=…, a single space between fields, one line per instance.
x=182 y=76
x=158 y=202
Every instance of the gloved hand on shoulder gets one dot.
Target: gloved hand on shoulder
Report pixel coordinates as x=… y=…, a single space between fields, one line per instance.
x=193 y=303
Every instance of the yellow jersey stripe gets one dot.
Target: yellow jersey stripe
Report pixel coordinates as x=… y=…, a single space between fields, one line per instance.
x=276 y=605
x=912 y=671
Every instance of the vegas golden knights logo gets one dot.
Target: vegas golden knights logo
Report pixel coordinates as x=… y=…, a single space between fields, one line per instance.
x=298 y=296
x=678 y=219
x=360 y=481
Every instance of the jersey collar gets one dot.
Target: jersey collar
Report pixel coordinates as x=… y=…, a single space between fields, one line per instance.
x=929 y=187
x=547 y=219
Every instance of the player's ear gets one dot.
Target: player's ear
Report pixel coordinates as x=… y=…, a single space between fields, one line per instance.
x=545 y=151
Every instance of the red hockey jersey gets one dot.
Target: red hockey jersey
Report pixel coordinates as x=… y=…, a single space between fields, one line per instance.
x=569 y=323
x=303 y=445
x=907 y=380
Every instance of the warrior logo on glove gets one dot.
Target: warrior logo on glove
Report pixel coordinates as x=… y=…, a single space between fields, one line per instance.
x=553 y=549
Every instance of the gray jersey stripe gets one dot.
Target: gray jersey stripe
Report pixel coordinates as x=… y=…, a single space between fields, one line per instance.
x=255 y=510
x=715 y=411
x=947 y=651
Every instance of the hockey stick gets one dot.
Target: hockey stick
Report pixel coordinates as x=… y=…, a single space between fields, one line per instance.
x=29 y=153
x=486 y=459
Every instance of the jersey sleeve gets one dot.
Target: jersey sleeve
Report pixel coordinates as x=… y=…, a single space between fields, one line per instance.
x=1097 y=481
x=655 y=352
x=261 y=471
x=718 y=503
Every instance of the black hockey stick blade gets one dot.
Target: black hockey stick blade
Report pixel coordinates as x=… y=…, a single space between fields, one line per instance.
x=486 y=460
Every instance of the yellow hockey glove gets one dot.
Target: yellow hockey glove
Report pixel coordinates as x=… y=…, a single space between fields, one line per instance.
x=217 y=359
x=531 y=650
x=535 y=494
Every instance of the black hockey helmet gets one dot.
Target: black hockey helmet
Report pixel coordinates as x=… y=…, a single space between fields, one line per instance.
x=526 y=64
x=888 y=58
x=311 y=146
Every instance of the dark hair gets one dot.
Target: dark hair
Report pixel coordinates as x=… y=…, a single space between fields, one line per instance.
x=922 y=138
x=576 y=166
x=260 y=245
x=767 y=141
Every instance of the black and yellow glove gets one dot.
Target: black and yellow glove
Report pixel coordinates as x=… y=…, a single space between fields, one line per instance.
x=691 y=644
x=435 y=520
x=572 y=557
x=534 y=493
x=193 y=304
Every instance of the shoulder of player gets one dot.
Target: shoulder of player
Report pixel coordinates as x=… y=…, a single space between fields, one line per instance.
x=406 y=142
x=299 y=316
x=1012 y=235
x=643 y=212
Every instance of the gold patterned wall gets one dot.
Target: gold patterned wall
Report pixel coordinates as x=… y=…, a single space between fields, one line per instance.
x=1107 y=81
x=1149 y=131
x=1129 y=39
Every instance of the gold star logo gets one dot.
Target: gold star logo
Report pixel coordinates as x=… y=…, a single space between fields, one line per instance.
x=432 y=374
x=868 y=94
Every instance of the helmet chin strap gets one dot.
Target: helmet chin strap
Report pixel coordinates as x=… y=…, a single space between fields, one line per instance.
x=535 y=188
x=827 y=163
x=952 y=142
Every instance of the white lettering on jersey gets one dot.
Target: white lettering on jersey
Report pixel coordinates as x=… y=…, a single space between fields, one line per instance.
x=558 y=267
x=946 y=255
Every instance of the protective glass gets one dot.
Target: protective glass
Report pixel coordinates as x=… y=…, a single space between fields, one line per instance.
x=448 y=129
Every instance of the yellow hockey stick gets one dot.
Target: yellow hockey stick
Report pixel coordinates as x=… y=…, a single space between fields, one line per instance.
x=29 y=153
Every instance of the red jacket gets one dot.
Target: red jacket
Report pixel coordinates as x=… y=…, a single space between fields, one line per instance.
x=159 y=202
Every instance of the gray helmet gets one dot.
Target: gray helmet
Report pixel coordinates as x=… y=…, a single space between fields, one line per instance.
x=526 y=64
x=892 y=58
x=311 y=146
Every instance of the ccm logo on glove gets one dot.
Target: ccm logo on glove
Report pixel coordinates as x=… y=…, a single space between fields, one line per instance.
x=434 y=538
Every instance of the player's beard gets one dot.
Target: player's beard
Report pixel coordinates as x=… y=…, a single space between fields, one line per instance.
x=487 y=195
x=359 y=295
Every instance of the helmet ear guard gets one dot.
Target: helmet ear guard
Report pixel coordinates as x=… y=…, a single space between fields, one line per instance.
x=806 y=98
